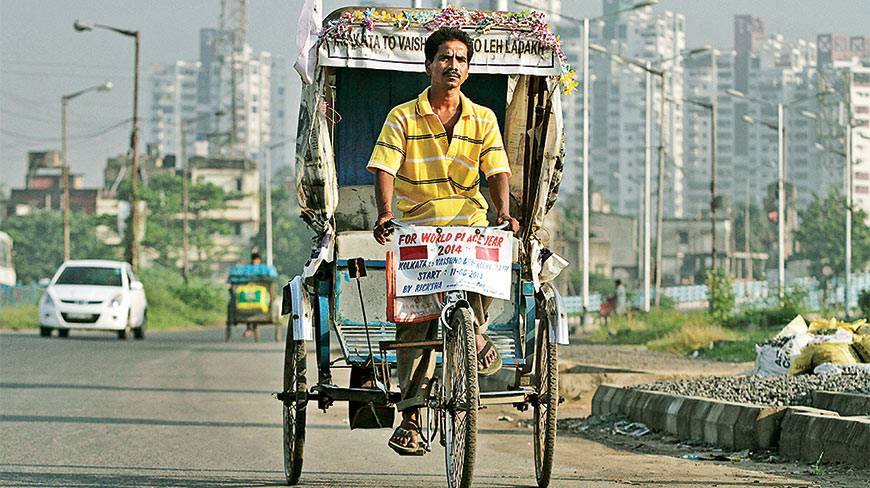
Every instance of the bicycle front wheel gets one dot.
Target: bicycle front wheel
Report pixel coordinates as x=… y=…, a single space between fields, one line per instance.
x=460 y=399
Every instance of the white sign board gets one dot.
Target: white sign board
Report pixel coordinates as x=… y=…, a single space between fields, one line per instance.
x=435 y=260
x=498 y=51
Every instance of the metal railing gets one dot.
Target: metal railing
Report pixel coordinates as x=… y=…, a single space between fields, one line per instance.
x=13 y=296
x=753 y=293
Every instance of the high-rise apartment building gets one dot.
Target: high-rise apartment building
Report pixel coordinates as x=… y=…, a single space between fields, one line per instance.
x=173 y=99
x=617 y=109
x=236 y=82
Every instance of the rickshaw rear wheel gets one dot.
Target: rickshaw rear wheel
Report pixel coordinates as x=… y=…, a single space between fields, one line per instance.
x=294 y=411
x=546 y=384
x=460 y=399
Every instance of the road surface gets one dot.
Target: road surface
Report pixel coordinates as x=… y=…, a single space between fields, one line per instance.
x=188 y=409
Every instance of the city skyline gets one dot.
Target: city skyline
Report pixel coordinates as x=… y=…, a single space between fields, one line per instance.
x=36 y=72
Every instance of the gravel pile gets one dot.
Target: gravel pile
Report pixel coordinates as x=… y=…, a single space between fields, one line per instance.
x=771 y=390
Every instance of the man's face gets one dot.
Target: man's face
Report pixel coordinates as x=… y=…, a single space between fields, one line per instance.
x=449 y=69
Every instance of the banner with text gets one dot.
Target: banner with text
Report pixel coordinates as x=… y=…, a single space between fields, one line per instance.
x=498 y=52
x=435 y=260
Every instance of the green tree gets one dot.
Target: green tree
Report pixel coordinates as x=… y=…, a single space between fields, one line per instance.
x=38 y=241
x=822 y=235
x=291 y=237
x=163 y=225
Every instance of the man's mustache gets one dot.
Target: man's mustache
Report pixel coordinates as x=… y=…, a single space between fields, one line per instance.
x=451 y=72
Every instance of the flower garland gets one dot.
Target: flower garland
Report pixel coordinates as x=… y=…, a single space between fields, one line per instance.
x=524 y=24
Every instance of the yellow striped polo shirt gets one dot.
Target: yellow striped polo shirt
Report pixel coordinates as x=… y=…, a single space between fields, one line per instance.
x=437 y=182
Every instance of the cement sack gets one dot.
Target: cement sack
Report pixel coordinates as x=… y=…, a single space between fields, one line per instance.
x=823 y=352
x=861 y=343
x=821 y=325
x=797 y=326
x=774 y=358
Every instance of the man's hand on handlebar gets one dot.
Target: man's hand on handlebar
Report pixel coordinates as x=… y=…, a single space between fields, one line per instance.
x=382 y=230
x=505 y=218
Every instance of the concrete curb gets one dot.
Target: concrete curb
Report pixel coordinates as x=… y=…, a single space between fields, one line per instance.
x=738 y=426
x=846 y=404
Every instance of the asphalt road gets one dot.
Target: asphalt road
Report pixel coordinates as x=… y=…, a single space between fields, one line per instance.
x=188 y=409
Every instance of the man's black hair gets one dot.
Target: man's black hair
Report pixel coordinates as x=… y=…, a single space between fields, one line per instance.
x=618 y=282
x=444 y=34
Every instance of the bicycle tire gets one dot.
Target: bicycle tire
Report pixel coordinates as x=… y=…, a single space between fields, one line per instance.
x=460 y=399
x=293 y=412
x=546 y=383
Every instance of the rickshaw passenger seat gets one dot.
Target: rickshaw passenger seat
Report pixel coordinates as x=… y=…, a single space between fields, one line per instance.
x=359 y=244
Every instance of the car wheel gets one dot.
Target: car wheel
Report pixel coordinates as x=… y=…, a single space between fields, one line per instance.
x=63 y=332
x=139 y=332
x=45 y=331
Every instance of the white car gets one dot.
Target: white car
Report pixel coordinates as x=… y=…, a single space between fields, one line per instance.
x=94 y=294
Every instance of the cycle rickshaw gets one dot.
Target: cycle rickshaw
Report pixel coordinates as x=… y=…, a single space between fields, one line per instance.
x=253 y=300
x=367 y=61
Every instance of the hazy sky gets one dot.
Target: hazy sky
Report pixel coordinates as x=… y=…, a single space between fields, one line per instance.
x=43 y=58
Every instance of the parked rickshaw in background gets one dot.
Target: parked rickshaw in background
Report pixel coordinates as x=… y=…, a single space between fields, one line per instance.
x=254 y=299
x=362 y=63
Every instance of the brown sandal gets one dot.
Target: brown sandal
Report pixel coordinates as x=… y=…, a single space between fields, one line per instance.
x=412 y=448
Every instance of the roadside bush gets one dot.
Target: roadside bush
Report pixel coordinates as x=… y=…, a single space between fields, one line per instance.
x=172 y=303
x=692 y=337
x=721 y=295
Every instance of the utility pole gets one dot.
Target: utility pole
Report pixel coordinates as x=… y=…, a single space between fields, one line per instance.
x=585 y=176
x=185 y=204
x=64 y=128
x=647 y=163
x=134 y=177
x=661 y=189
x=848 y=283
x=747 y=229
x=780 y=189
x=65 y=175
x=713 y=184
x=134 y=137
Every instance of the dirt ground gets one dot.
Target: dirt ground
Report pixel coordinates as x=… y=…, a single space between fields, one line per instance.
x=655 y=459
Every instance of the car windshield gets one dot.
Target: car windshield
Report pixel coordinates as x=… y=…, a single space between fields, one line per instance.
x=90 y=275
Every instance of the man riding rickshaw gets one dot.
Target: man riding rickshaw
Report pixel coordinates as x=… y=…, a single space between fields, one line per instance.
x=377 y=136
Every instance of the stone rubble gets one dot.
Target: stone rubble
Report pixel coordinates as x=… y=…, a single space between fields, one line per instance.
x=771 y=390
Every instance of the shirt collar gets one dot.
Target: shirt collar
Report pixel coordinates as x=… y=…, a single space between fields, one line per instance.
x=425 y=108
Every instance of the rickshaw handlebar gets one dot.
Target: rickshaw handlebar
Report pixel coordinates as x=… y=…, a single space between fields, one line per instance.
x=390 y=224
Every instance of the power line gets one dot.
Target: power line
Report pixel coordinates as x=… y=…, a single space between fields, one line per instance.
x=118 y=67
x=92 y=135
x=52 y=74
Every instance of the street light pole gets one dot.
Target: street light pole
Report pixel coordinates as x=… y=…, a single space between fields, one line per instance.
x=713 y=169
x=134 y=137
x=660 y=191
x=64 y=103
x=585 y=150
x=185 y=204
x=647 y=169
x=780 y=190
x=585 y=176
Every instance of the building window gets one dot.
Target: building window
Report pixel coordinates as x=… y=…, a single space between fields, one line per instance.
x=862 y=190
x=860 y=175
x=684 y=237
x=238 y=229
x=238 y=184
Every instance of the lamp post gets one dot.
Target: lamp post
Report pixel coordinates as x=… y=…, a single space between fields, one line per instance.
x=268 y=203
x=185 y=192
x=64 y=101
x=847 y=156
x=584 y=56
x=649 y=71
x=779 y=127
x=134 y=136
